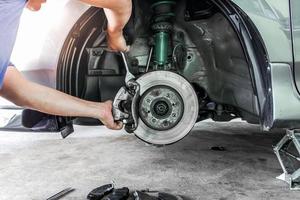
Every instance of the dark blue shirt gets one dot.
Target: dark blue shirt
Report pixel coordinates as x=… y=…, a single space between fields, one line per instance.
x=10 y=13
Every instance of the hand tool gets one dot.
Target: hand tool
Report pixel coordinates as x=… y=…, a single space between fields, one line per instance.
x=129 y=75
x=61 y=194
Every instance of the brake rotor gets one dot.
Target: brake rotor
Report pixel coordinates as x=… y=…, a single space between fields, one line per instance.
x=168 y=108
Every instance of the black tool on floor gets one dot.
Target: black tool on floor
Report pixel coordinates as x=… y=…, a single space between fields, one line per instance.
x=118 y=194
x=100 y=192
x=61 y=194
x=108 y=192
x=143 y=196
x=154 y=195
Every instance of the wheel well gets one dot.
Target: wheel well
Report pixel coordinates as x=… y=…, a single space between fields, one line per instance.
x=215 y=61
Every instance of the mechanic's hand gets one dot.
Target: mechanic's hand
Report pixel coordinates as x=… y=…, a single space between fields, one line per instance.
x=118 y=14
x=35 y=5
x=106 y=116
x=116 y=41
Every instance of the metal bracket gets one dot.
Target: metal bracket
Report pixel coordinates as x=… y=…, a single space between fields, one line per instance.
x=119 y=112
x=134 y=86
x=288 y=154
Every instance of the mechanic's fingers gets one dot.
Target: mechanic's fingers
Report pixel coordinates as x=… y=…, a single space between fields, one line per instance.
x=119 y=49
x=109 y=102
x=117 y=43
x=119 y=125
x=115 y=126
x=127 y=49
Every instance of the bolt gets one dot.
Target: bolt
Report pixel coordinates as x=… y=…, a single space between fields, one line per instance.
x=174 y=115
x=135 y=62
x=166 y=123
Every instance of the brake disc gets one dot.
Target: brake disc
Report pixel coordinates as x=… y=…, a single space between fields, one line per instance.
x=168 y=108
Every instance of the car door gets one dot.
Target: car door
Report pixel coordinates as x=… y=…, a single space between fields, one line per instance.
x=271 y=18
x=295 y=19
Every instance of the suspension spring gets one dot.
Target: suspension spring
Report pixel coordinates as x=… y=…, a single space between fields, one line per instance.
x=162 y=27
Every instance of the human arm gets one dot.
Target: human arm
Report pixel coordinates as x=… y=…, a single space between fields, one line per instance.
x=31 y=95
x=118 y=13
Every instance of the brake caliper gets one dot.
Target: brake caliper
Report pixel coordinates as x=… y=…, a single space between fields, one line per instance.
x=125 y=103
x=125 y=106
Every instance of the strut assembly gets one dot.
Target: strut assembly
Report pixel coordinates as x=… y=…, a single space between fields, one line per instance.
x=162 y=27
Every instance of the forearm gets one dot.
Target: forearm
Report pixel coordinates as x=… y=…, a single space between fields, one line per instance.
x=48 y=100
x=110 y=4
x=28 y=94
x=31 y=95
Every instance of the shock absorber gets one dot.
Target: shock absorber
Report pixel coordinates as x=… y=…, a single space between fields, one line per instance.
x=162 y=27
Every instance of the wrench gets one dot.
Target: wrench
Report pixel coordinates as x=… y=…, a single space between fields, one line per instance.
x=129 y=75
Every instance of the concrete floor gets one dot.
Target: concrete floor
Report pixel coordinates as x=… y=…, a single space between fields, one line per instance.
x=35 y=166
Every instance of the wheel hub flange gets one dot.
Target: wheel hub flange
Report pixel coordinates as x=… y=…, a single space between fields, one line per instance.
x=161 y=107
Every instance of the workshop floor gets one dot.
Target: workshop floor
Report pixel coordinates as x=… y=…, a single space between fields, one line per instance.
x=35 y=166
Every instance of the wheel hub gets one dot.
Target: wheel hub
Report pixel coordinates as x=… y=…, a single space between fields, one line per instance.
x=161 y=107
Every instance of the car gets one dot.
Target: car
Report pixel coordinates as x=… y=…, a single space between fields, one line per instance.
x=191 y=60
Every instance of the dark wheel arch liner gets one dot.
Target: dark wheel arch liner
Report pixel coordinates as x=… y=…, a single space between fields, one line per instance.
x=256 y=56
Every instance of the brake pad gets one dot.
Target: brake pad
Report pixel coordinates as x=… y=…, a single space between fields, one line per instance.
x=100 y=192
x=118 y=194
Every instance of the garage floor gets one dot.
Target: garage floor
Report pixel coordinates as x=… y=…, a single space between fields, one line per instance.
x=35 y=166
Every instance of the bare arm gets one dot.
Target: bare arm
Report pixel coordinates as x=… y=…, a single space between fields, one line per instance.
x=31 y=95
x=118 y=13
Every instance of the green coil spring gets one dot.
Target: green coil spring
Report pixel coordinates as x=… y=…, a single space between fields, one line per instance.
x=162 y=26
